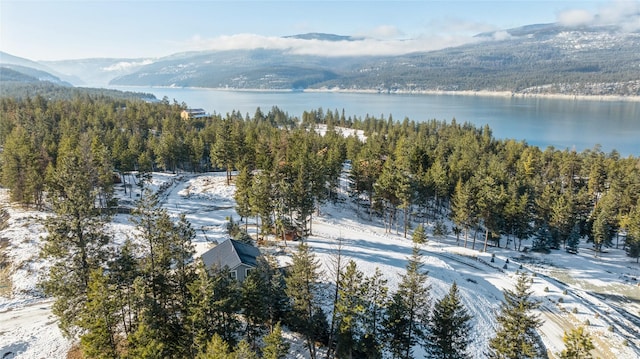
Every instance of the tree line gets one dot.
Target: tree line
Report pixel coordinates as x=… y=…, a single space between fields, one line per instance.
x=504 y=190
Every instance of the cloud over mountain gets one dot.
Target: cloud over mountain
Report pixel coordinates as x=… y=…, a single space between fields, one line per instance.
x=386 y=44
x=625 y=15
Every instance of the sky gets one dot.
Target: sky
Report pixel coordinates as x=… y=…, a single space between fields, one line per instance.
x=74 y=29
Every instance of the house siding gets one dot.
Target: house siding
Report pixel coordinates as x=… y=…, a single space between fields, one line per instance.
x=242 y=271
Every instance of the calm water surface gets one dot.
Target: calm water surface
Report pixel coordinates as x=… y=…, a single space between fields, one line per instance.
x=573 y=124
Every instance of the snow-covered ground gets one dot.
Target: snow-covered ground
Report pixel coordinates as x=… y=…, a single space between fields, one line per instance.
x=572 y=288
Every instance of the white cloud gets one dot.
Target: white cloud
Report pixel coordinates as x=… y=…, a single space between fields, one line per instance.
x=364 y=46
x=623 y=14
x=126 y=65
x=501 y=35
x=575 y=17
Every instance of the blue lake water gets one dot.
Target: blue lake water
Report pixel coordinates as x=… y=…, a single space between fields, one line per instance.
x=543 y=122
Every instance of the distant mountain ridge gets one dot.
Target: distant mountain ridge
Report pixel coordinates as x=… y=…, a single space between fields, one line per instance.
x=323 y=37
x=533 y=59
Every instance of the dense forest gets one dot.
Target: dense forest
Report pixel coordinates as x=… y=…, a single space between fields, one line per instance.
x=150 y=299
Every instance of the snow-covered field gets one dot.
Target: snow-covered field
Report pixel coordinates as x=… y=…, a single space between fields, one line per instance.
x=572 y=288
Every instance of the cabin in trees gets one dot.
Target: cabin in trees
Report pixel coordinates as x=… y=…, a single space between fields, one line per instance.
x=192 y=113
x=238 y=257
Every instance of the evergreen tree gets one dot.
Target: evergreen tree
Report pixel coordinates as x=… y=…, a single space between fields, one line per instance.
x=419 y=236
x=77 y=239
x=201 y=314
x=275 y=346
x=573 y=241
x=406 y=324
x=516 y=337
x=123 y=273
x=262 y=202
x=275 y=297
x=243 y=351
x=255 y=305
x=349 y=311
x=578 y=344
x=225 y=305
x=387 y=188
x=99 y=320
x=223 y=152
x=632 y=241
x=243 y=195
x=542 y=239
x=302 y=287
x=463 y=208
x=145 y=343
x=216 y=348
x=375 y=297
x=450 y=327
x=166 y=255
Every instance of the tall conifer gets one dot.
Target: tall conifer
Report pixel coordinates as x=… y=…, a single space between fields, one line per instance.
x=449 y=334
x=406 y=324
x=516 y=337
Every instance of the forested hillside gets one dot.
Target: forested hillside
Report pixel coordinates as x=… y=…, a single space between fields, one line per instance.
x=19 y=86
x=150 y=299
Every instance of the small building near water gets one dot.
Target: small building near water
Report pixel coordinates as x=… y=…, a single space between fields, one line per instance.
x=192 y=113
x=238 y=257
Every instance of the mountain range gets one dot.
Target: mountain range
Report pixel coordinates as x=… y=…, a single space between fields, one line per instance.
x=534 y=59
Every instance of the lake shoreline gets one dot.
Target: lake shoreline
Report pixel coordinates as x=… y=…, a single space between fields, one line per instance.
x=480 y=93
x=485 y=93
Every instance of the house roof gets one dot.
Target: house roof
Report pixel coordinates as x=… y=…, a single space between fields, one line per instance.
x=195 y=110
x=231 y=254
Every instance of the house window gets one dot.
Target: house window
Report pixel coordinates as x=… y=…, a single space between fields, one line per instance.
x=246 y=272
x=233 y=274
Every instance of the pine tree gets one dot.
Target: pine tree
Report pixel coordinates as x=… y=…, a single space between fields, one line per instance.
x=243 y=351
x=275 y=346
x=419 y=236
x=375 y=297
x=632 y=241
x=578 y=345
x=99 y=320
x=450 y=327
x=261 y=202
x=277 y=303
x=243 y=195
x=349 y=311
x=408 y=311
x=166 y=270
x=302 y=286
x=223 y=152
x=574 y=239
x=254 y=307
x=225 y=305
x=216 y=348
x=516 y=337
x=77 y=238
x=542 y=239
x=200 y=317
x=123 y=273
x=145 y=343
x=463 y=208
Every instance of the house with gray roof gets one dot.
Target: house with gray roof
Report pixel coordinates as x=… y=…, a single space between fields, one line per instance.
x=238 y=257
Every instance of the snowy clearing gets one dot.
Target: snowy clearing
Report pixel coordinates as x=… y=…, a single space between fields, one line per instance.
x=573 y=288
